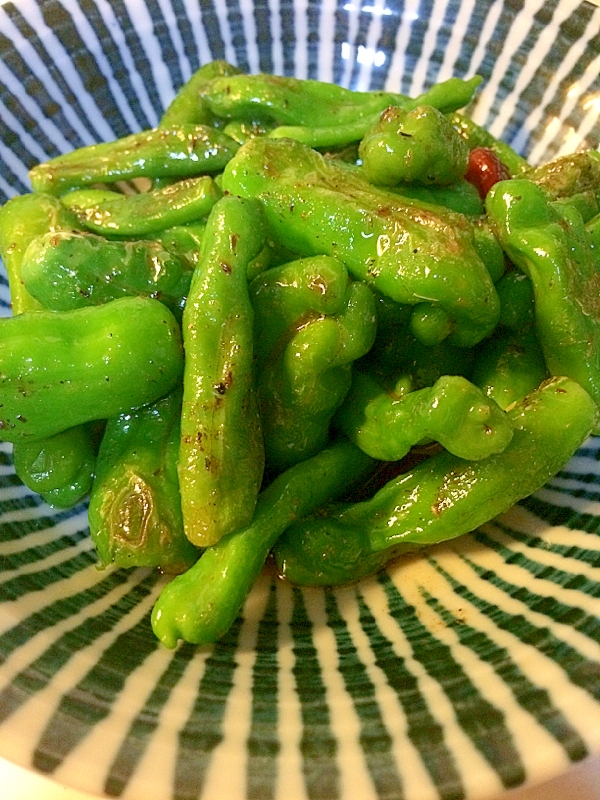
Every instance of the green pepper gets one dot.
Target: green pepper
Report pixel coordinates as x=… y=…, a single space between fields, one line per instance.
x=135 y=506
x=416 y=146
x=113 y=214
x=287 y=297
x=476 y=136
x=187 y=106
x=305 y=381
x=549 y=243
x=430 y=324
x=200 y=605
x=407 y=251
x=517 y=306
x=61 y=468
x=289 y=101
x=461 y=196
x=442 y=497
x=61 y=369
x=68 y=270
x=509 y=366
x=22 y=219
x=398 y=354
x=183 y=241
x=344 y=120
x=181 y=151
x=221 y=452
x=241 y=131
x=453 y=412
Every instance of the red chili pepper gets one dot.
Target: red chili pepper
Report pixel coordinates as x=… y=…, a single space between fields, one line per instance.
x=485 y=169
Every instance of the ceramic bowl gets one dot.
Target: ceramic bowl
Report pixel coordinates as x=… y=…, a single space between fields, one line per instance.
x=459 y=673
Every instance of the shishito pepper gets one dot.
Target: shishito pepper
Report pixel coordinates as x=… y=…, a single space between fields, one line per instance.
x=200 y=605
x=61 y=467
x=408 y=251
x=453 y=412
x=60 y=369
x=317 y=326
x=550 y=244
x=416 y=146
x=22 y=219
x=442 y=497
x=113 y=214
x=287 y=297
x=221 y=452
x=181 y=151
x=476 y=136
x=135 y=506
x=187 y=107
x=510 y=365
x=341 y=125
x=320 y=114
x=68 y=270
x=574 y=177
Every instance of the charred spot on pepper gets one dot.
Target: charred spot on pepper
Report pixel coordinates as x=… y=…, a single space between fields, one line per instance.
x=226 y=267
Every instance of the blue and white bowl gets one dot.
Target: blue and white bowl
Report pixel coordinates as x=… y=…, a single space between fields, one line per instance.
x=472 y=668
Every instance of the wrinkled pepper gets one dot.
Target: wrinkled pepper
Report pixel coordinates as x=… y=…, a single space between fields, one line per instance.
x=200 y=605
x=60 y=468
x=187 y=107
x=409 y=252
x=221 y=451
x=113 y=214
x=68 y=270
x=443 y=497
x=182 y=151
x=417 y=146
x=453 y=412
x=22 y=219
x=135 y=505
x=307 y=373
x=61 y=369
x=510 y=366
x=549 y=243
x=287 y=297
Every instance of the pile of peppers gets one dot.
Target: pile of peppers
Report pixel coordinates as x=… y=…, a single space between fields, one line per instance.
x=295 y=319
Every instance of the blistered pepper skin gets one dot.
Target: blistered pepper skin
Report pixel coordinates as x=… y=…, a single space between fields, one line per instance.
x=60 y=369
x=69 y=270
x=443 y=497
x=200 y=605
x=135 y=506
x=339 y=127
x=221 y=452
x=176 y=152
x=549 y=243
x=60 y=468
x=406 y=251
